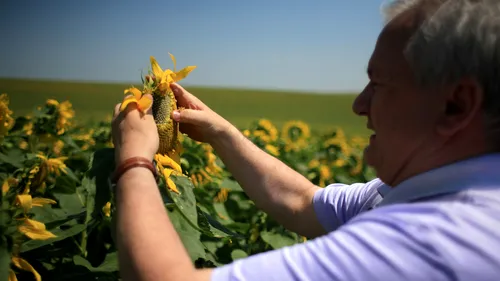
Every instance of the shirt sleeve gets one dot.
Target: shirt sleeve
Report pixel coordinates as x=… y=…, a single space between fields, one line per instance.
x=376 y=245
x=338 y=203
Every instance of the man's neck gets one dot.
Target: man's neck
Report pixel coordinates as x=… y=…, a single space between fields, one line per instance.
x=434 y=158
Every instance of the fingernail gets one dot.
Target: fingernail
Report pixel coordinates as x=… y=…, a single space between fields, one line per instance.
x=176 y=115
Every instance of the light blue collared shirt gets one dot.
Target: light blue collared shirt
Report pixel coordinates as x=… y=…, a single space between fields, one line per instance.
x=440 y=225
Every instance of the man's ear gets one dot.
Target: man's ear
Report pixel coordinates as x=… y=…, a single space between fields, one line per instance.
x=462 y=103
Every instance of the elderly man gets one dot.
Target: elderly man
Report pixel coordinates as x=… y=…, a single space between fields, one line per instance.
x=433 y=213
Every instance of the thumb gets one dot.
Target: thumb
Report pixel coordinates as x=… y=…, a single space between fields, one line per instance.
x=189 y=116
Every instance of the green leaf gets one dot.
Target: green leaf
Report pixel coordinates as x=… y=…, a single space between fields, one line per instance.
x=193 y=159
x=110 y=263
x=65 y=184
x=13 y=157
x=185 y=201
x=70 y=175
x=96 y=186
x=277 y=240
x=211 y=245
x=238 y=254
x=215 y=229
x=220 y=208
x=68 y=141
x=96 y=180
x=53 y=217
x=71 y=203
x=70 y=229
x=189 y=236
x=90 y=189
x=4 y=259
x=231 y=184
x=239 y=226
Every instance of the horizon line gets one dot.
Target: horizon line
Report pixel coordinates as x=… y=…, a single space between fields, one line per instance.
x=224 y=87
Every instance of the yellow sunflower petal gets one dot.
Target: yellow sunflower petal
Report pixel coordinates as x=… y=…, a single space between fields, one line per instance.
x=39 y=202
x=41 y=156
x=176 y=158
x=169 y=72
x=34 y=224
x=35 y=230
x=158 y=158
x=25 y=201
x=36 y=234
x=157 y=71
x=167 y=172
x=207 y=176
x=126 y=101
x=106 y=209
x=170 y=183
x=183 y=73
x=170 y=77
x=12 y=275
x=5 y=187
x=169 y=162
x=145 y=103
x=173 y=60
x=52 y=102
x=134 y=91
x=172 y=186
x=60 y=159
x=24 y=265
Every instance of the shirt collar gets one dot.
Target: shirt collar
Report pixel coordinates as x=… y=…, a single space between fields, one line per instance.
x=478 y=172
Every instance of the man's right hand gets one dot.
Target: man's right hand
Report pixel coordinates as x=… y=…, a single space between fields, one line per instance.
x=274 y=187
x=197 y=120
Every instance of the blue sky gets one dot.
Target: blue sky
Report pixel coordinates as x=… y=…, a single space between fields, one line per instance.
x=313 y=46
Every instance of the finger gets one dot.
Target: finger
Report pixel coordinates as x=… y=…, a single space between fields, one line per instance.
x=149 y=110
x=189 y=116
x=130 y=111
x=185 y=98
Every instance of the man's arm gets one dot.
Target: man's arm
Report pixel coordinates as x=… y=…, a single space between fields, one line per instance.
x=275 y=188
x=283 y=193
x=149 y=246
x=286 y=195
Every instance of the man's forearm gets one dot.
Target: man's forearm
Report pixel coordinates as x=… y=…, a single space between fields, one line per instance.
x=277 y=189
x=149 y=247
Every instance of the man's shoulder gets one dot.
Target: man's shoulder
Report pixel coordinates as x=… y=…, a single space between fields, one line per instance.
x=375 y=183
x=337 y=203
x=363 y=194
x=373 y=186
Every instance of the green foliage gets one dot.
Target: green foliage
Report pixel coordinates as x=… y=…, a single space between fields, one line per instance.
x=213 y=216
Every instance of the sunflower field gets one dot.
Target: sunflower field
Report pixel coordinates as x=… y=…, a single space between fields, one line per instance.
x=57 y=213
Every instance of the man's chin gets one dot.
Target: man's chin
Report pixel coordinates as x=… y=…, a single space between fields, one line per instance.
x=368 y=156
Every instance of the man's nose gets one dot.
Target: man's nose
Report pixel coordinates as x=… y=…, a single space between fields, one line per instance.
x=361 y=104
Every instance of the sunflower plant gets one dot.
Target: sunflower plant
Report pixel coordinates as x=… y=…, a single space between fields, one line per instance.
x=57 y=214
x=180 y=174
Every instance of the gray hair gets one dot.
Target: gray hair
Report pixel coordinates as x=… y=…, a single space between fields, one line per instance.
x=455 y=39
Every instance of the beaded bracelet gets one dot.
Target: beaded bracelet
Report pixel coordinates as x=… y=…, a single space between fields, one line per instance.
x=132 y=163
